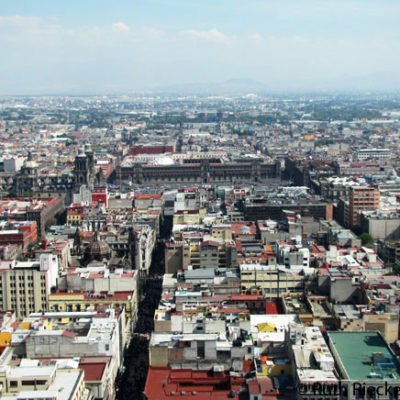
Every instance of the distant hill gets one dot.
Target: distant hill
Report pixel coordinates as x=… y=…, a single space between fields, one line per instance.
x=229 y=87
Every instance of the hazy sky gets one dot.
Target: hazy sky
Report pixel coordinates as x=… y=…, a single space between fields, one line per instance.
x=124 y=45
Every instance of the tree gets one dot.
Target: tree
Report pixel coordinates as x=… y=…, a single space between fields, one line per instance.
x=366 y=239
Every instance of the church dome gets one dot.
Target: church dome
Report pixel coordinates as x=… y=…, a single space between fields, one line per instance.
x=97 y=250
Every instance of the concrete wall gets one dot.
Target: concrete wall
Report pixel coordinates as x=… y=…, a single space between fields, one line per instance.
x=158 y=356
x=383 y=229
x=343 y=291
x=386 y=324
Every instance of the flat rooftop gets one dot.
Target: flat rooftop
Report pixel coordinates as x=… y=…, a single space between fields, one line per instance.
x=364 y=356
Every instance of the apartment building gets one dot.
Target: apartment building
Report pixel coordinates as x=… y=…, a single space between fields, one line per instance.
x=361 y=198
x=94 y=287
x=271 y=280
x=25 y=286
x=211 y=253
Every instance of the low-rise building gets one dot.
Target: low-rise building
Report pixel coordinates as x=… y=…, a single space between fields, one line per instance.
x=362 y=318
x=273 y=281
x=371 y=370
x=43 y=210
x=381 y=225
x=313 y=363
x=30 y=380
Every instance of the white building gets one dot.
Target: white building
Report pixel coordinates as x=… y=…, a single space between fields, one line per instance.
x=314 y=365
x=294 y=257
x=30 y=380
x=379 y=154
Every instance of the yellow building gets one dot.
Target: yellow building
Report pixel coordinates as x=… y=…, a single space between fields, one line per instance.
x=23 y=290
x=194 y=217
x=5 y=339
x=80 y=301
x=74 y=218
x=272 y=281
x=222 y=232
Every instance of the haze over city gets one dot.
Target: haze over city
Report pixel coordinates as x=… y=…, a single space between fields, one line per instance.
x=97 y=46
x=199 y=200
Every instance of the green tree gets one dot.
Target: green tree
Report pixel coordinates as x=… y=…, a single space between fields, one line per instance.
x=366 y=239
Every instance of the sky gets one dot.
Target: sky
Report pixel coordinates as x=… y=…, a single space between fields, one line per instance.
x=122 y=46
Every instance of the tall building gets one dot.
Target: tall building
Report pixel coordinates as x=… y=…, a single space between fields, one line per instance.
x=84 y=165
x=362 y=198
x=24 y=286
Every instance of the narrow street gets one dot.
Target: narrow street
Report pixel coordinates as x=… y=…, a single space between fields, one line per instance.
x=130 y=386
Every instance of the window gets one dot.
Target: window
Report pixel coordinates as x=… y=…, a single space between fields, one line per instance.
x=28 y=383
x=13 y=384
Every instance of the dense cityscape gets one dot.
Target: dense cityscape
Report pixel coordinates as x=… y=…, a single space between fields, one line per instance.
x=200 y=247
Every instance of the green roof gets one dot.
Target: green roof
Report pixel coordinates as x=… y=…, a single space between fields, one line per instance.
x=364 y=356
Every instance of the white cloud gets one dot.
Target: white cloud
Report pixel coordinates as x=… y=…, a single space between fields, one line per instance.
x=121 y=26
x=212 y=35
x=257 y=37
x=152 y=32
x=18 y=20
x=62 y=55
x=27 y=23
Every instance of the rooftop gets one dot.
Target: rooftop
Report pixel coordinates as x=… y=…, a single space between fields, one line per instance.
x=164 y=383
x=373 y=359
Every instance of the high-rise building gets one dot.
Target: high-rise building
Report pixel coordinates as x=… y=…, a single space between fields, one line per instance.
x=361 y=198
x=24 y=286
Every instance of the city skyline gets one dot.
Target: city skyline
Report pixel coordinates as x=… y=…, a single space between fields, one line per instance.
x=122 y=47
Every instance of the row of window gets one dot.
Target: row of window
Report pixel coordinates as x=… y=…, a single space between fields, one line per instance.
x=12 y=278
x=14 y=384
x=23 y=292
